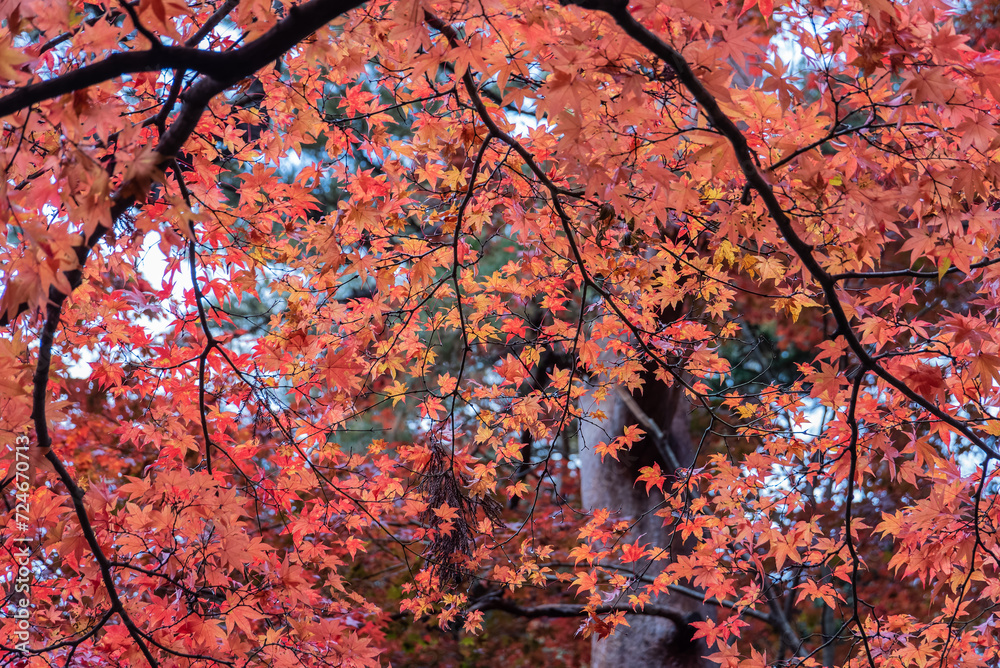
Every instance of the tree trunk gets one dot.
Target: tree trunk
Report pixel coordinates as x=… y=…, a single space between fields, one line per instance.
x=651 y=642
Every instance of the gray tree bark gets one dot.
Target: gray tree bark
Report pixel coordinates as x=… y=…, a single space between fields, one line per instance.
x=650 y=642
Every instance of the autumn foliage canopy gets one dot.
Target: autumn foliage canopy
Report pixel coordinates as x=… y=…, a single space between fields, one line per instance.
x=306 y=303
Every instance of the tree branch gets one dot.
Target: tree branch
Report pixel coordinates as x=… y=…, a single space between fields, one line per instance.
x=300 y=23
x=618 y=9
x=213 y=20
x=226 y=68
x=660 y=439
x=76 y=494
x=852 y=448
x=571 y=610
x=780 y=622
x=555 y=191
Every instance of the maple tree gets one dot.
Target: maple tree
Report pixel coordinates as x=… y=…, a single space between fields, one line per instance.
x=347 y=333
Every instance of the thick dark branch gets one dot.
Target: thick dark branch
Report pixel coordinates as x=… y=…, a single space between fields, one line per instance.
x=758 y=182
x=196 y=100
x=225 y=67
x=300 y=23
x=115 y=65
